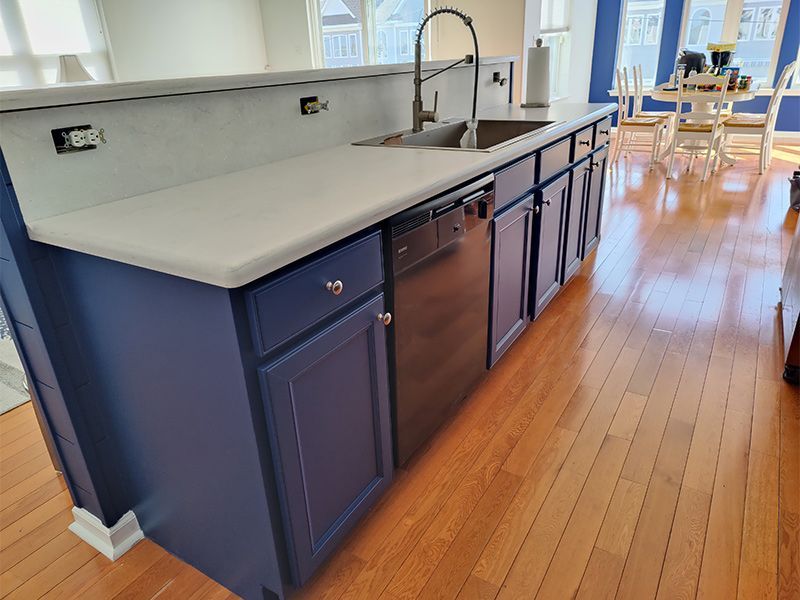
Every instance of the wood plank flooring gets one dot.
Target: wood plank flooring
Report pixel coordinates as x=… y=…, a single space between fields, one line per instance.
x=637 y=442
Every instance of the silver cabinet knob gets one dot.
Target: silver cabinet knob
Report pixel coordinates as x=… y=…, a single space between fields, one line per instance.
x=385 y=318
x=536 y=210
x=334 y=287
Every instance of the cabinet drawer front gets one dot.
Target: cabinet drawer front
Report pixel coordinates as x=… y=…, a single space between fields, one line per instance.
x=583 y=143
x=602 y=132
x=553 y=160
x=296 y=301
x=327 y=406
x=512 y=182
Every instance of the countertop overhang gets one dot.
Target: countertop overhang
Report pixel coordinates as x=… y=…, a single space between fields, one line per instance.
x=233 y=229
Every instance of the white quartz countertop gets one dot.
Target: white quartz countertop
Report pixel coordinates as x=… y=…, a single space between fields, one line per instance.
x=233 y=229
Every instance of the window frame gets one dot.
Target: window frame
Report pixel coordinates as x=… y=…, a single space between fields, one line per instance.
x=369 y=36
x=731 y=22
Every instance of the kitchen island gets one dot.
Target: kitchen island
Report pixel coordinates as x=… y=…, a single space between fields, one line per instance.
x=236 y=331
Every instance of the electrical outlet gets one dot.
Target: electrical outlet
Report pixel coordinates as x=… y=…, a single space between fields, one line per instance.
x=77 y=138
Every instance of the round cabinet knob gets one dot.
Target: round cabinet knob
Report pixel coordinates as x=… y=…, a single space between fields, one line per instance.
x=335 y=287
x=536 y=210
x=385 y=318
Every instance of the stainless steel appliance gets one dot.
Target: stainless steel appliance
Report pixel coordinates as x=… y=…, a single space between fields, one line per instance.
x=440 y=264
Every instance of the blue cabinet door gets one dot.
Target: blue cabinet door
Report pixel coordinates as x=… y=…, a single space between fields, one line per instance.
x=548 y=239
x=511 y=258
x=574 y=218
x=594 y=200
x=327 y=405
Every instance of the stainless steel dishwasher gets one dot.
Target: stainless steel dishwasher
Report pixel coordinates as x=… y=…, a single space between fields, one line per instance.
x=440 y=265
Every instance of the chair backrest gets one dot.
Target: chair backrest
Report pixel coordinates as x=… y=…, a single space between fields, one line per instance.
x=623 y=94
x=715 y=99
x=638 y=89
x=777 y=93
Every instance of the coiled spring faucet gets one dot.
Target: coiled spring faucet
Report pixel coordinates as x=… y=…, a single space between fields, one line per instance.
x=420 y=114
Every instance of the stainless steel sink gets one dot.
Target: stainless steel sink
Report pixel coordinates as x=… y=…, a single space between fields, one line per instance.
x=492 y=135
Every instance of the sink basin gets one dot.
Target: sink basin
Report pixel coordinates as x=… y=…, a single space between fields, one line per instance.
x=492 y=135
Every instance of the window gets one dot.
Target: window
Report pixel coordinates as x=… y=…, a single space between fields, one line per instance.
x=555 y=33
x=699 y=27
x=767 y=22
x=746 y=24
x=633 y=30
x=652 y=31
x=354 y=44
x=641 y=37
x=755 y=25
x=33 y=33
x=374 y=31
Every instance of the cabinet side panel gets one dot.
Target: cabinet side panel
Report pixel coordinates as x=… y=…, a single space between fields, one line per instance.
x=168 y=373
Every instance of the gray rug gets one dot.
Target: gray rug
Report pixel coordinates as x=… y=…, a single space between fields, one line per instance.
x=12 y=378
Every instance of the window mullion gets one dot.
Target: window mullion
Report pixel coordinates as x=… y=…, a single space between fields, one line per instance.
x=369 y=31
x=733 y=14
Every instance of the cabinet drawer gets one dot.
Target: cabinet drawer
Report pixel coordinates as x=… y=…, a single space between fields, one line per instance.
x=602 y=132
x=299 y=299
x=512 y=182
x=583 y=143
x=553 y=160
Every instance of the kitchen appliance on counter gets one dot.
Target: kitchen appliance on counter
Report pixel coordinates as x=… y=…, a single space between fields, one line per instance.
x=439 y=260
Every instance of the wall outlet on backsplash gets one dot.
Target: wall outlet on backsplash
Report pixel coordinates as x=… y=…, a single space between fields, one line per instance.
x=310 y=105
x=77 y=138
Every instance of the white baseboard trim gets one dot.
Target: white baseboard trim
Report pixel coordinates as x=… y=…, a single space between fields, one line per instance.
x=112 y=542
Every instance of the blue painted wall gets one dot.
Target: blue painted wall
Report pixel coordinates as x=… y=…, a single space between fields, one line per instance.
x=605 y=45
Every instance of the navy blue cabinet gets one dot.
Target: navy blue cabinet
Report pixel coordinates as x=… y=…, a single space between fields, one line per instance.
x=327 y=406
x=510 y=276
x=574 y=216
x=594 y=200
x=548 y=234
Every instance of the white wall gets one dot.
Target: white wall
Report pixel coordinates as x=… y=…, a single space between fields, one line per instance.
x=286 y=34
x=154 y=39
x=498 y=23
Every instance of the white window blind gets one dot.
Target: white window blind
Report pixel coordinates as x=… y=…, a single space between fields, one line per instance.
x=33 y=33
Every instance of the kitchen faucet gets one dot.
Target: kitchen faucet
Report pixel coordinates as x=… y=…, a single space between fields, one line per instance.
x=420 y=114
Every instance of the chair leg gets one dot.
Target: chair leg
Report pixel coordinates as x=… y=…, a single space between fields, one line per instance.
x=654 y=149
x=672 y=151
x=618 y=146
x=711 y=145
x=762 y=155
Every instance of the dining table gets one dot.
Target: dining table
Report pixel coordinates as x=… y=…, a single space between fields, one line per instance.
x=702 y=101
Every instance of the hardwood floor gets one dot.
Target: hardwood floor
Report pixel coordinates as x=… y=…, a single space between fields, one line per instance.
x=637 y=442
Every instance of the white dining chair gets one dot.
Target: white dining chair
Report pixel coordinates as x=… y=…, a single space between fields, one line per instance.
x=638 y=93
x=697 y=132
x=761 y=126
x=630 y=127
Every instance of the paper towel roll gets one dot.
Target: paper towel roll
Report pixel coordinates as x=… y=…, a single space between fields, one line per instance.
x=537 y=92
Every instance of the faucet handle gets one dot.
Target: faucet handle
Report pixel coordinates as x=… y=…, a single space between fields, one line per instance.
x=436 y=102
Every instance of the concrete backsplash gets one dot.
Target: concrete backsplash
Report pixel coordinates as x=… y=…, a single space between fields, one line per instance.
x=155 y=143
